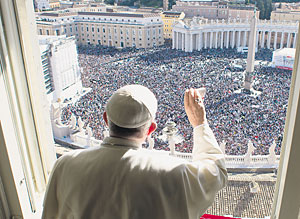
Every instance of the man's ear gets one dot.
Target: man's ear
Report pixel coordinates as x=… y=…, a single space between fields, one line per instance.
x=105 y=118
x=152 y=128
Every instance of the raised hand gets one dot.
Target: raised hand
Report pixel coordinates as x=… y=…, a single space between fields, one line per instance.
x=194 y=107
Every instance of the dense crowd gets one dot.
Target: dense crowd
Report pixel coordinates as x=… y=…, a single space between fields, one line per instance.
x=234 y=115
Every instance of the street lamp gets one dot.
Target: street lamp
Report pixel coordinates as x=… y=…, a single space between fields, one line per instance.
x=170 y=131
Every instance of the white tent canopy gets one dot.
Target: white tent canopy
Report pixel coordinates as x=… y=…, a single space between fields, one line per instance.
x=284 y=58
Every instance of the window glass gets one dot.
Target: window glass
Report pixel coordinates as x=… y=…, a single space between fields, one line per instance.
x=244 y=123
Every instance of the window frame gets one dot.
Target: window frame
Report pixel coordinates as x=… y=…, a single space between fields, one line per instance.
x=287 y=193
x=31 y=131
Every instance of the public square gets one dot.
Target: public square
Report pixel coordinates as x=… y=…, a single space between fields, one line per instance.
x=234 y=116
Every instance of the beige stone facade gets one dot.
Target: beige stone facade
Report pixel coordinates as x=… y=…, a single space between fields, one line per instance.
x=213 y=10
x=54 y=4
x=285 y=15
x=286 y=12
x=193 y=34
x=101 y=28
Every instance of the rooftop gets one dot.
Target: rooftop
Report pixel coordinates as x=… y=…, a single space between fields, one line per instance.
x=172 y=12
x=49 y=14
x=112 y=14
x=139 y=15
x=249 y=8
x=58 y=13
x=287 y=12
x=237 y=200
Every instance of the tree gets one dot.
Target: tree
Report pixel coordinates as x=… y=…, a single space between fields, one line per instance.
x=265 y=8
x=268 y=9
x=110 y=2
x=261 y=8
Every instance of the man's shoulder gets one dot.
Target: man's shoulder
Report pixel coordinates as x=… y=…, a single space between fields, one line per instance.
x=157 y=160
x=75 y=154
x=72 y=154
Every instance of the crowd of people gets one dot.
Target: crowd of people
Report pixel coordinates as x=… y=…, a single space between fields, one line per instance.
x=234 y=115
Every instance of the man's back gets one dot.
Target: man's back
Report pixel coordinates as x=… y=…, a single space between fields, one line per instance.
x=118 y=180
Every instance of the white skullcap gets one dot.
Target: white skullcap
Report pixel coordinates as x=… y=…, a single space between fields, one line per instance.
x=131 y=106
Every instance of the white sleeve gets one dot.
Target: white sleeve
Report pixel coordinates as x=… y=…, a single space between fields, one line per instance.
x=205 y=143
x=206 y=175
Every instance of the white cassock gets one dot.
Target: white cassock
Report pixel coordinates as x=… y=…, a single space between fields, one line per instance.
x=120 y=180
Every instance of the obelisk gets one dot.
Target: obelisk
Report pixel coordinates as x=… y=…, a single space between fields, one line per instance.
x=251 y=53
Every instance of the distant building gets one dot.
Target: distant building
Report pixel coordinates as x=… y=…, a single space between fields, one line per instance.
x=238 y=1
x=285 y=15
x=97 y=7
x=55 y=23
x=54 y=4
x=286 y=6
x=48 y=79
x=141 y=10
x=60 y=67
x=66 y=4
x=169 y=17
x=41 y=4
x=213 y=9
x=126 y=29
x=286 y=12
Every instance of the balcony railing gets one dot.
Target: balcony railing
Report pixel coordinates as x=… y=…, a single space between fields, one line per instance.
x=75 y=134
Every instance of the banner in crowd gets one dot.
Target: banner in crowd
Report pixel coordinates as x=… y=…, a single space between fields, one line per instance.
x=284 y=58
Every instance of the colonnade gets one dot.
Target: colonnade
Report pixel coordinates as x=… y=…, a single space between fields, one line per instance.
x=231 y=36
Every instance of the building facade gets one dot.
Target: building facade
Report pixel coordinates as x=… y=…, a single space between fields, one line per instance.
x=54 y=4
x=169 y=18
x=61 y=71
x=41 y=4
x=140 y=30
x=213 y=10
x=286 y=11
x=284 y=15
x=46 y=65
x=189 y=35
